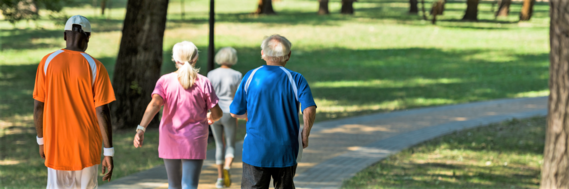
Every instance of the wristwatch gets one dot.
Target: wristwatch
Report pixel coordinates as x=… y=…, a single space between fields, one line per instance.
x=140 y=128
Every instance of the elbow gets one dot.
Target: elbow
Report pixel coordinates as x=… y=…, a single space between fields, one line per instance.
x=102 y=110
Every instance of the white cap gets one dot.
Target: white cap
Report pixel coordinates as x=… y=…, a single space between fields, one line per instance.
x=79 y=20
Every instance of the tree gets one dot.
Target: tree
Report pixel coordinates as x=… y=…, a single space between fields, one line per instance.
x=16 y=10
x=423 y=10
x=555 y=170
x=347 y=7
x=527 y=10
x=265 y=7
x=438 y=7
x=139 y=61
x=323 y=7
x=471 y=13
x=413 y=7
x=504 y=8
x=103 y=6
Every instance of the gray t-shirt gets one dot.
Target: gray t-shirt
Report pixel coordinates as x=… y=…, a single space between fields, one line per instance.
x=225 y=82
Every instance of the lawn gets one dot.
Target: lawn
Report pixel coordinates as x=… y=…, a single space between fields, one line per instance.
x=505 y=155
x=380 y=59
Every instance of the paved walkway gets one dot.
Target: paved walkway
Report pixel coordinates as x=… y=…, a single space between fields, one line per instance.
x=339 y=149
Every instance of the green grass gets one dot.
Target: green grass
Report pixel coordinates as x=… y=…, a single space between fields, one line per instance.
x=505 y=155
x=380 y=59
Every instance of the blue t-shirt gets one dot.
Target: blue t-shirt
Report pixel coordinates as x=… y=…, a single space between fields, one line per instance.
x=271 y=96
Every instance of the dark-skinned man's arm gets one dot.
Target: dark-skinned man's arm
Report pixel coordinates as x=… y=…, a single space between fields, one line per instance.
x=104 y=118
x=38 y=122
x=308 y=115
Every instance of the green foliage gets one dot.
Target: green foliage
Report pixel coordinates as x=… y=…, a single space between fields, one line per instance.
x=16 y=10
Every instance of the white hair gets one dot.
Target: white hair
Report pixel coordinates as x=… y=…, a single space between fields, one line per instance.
x=185 y=53
x=226 y=56
x=276 y=48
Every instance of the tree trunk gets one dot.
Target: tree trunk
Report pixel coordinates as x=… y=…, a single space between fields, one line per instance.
x=265 y=7
x=423 y=9
x=413 y=7
x=471 y=13
x=183 y=7
x=139 y=61
x=527 y=10
x=103 y=6
x=347 y=7
x=555 y=170
x=504 y=8
x=438 y=7
x=323 y=7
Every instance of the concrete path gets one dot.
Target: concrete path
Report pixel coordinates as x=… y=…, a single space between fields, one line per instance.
x=339 y=149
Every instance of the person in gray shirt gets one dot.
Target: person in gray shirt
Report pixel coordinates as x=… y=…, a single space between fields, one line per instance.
x=225 y=82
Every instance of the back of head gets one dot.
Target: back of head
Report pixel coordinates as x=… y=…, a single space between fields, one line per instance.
x=77 y=33
x=276 y=48
x=226 y=56
x=185 y=54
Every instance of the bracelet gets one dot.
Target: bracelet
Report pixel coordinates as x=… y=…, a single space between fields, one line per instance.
x=39 y=140
x=140 y=128
x=109 y=151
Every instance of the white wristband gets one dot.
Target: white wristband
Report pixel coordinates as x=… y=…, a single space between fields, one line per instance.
x=141 y=128
x=39 y=140
x=109 y=151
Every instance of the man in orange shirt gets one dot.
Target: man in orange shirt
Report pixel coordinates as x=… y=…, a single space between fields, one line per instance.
x=71 y=112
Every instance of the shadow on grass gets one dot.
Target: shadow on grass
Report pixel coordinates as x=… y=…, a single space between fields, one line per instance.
x=503 y=155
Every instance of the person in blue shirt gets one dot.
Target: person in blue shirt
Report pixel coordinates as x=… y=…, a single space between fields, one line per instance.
x=270 y=97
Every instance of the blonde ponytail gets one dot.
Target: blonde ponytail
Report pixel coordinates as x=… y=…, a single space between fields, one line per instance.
x=186 y=52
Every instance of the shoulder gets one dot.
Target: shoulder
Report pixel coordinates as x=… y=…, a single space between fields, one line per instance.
x=235 y=72
x=253 y=70
x=202 y=79
x=168 y=76
x=212 y=72
x=51 y=55
x=294 y=74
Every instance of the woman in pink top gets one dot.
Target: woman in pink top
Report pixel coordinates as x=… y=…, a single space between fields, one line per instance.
x=186 y=96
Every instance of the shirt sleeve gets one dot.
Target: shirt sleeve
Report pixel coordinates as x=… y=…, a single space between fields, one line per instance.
x=210 y=97
x=159 y=89
x=103 y=89
x=39 y=87
x=239 y=104
x=304 y=93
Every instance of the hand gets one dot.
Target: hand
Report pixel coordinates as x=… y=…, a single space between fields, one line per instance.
x=304 y=140
x=138 y=139
x=209 y=120
x=108 y=168
x=42 y=154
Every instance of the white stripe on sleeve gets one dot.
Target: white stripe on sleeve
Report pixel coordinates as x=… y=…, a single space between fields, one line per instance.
x=49 y=58
x=92 y=64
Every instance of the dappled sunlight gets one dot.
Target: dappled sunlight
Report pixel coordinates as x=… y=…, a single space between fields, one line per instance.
x=386 y=83
x=358 y=129
x=503 y=155
x=532 y=94
x=342 y=107
x=17 y=124
x=10 y=162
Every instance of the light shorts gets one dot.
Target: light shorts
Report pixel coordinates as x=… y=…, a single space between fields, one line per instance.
x=83 y=179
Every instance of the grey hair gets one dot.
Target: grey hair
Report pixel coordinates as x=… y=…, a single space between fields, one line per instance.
x=276 y=48
x=226 y=56
x=186 y=53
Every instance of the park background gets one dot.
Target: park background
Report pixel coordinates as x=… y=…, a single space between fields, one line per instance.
x=379 y=59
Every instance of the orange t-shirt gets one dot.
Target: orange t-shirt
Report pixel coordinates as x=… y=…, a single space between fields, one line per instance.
x=71 y=84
